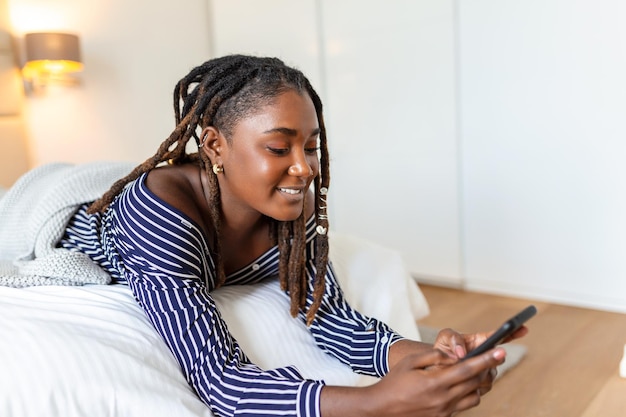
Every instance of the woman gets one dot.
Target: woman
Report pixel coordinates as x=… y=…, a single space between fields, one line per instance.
x=241 y=210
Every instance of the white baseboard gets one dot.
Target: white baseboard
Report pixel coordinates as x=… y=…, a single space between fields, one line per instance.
x=449 y=282
x=556 y=296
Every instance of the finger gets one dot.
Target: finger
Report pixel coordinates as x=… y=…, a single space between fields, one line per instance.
x=427 y=359
x=459 y=348
x=467 y=393
x=488 y=379
x=472 y=399
x=455 y=342
x=484 y=390
x=467 y=378
x=472 y=367
x=475 y=339
x=521 y=332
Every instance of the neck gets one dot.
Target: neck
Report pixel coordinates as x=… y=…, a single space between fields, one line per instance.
x=242 y=224
x=243 y=239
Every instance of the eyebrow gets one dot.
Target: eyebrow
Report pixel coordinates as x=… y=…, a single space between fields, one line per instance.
x=291 y=132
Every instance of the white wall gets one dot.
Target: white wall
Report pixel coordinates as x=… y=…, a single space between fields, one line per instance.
x=14 y=158
x=282 y=28
x=491 y=131
x=543 y=102
x=134 y=53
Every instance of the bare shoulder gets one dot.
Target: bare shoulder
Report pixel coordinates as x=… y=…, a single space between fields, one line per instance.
x=179 y=186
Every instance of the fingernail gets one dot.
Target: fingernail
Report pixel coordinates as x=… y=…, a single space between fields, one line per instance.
x=499 y=354
x=460 y=352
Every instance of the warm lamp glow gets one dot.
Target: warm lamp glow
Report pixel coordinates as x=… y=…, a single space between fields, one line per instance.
x=51 y=55
x=32 y=68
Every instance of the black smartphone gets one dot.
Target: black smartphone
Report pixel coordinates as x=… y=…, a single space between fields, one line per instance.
x=507 y=329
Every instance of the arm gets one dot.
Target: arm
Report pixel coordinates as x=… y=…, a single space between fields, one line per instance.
x=448 y=340
x=361 y=342
x=166 y=264
x=412 y=389
x=212 y=360
x=417 y=379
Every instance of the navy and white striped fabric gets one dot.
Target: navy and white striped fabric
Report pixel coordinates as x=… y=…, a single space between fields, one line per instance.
x=164 y=258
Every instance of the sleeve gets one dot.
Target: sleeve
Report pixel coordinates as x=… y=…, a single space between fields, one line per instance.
x=361 y=342
x=163 y=263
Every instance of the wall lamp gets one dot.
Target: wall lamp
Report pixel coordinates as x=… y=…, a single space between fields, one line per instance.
x=51 y=58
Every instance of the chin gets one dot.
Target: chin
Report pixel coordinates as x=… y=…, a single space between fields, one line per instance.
x=286 y=217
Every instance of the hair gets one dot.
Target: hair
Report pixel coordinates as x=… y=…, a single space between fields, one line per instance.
x=220 y=93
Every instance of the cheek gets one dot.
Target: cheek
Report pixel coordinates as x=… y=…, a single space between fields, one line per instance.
x=252 y=166
x=314 y=163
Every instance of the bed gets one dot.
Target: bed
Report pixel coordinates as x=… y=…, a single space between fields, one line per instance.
x=89 y=350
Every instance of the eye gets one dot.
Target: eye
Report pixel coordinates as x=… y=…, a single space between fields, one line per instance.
x=312 y=150
x=278 y=151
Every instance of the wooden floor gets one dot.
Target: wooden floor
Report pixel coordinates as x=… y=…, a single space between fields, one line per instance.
x=572 y=365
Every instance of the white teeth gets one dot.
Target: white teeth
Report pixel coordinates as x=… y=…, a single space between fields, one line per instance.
x=289 y=191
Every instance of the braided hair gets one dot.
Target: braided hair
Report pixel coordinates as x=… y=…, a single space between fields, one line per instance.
x=222 y=92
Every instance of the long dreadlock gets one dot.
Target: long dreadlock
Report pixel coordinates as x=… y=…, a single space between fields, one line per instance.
x=222 y=92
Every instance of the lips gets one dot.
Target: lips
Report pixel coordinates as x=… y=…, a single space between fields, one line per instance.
x=293 y=194
x=290 y=191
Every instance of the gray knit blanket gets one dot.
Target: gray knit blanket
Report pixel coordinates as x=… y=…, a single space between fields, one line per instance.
x=33 y=215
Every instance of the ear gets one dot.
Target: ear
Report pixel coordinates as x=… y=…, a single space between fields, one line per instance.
x=213 y=144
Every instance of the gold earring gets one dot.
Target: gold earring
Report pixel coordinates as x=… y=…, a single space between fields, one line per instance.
x=217 y=169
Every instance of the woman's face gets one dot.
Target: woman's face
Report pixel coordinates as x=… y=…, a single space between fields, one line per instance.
x=271 y=159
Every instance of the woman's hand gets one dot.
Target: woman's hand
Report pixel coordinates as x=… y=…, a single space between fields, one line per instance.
x=458 y=344
x=424 y=380
x=425 y=384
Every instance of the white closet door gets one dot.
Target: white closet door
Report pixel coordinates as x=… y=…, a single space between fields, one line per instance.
x=543 y=100
x=391 y=116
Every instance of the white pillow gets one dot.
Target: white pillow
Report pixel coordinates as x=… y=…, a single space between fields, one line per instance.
x=376 y=282
x=77 y=351
x=86 y=351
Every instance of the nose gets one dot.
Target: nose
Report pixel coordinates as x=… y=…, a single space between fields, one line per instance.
x=300 y=166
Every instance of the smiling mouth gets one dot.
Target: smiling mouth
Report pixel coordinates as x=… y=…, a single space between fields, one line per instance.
x=290 y=191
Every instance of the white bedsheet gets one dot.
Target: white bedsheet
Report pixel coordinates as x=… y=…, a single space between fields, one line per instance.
x=90 y=351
